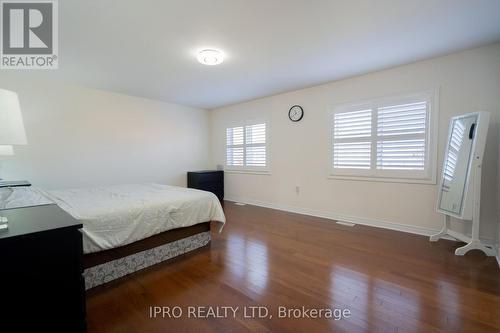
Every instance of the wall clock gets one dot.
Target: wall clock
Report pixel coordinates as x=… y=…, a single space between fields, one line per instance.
x=296 y=113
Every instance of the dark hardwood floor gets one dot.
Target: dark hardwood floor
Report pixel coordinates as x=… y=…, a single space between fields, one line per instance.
x=390 y=281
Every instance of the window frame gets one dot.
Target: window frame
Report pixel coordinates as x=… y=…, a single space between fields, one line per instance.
x=427 y=176
x=245 y=168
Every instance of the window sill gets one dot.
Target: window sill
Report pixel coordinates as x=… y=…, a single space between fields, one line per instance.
x=252 y=172
x=384 y=180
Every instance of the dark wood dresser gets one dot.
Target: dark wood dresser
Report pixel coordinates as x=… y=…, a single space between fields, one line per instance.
x=207 y=180
x=41 y=283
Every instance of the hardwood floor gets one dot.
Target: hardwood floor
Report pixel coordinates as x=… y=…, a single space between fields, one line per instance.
x=390 y=281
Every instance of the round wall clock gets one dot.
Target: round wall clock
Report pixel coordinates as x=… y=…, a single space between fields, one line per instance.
x=296 y=113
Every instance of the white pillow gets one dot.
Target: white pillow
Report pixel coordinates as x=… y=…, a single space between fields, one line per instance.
x=22 y=197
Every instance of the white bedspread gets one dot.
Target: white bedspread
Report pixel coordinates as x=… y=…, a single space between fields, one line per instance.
x=117 y=215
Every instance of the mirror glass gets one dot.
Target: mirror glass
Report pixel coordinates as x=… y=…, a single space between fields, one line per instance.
x=456 y=164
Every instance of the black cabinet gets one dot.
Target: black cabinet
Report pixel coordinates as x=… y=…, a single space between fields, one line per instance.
x=207 y=180
x=41 y=284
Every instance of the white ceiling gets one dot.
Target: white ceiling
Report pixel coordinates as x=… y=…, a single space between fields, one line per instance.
x=148 y=48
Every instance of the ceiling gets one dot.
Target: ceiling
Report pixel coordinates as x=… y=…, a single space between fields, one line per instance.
x=148 y=48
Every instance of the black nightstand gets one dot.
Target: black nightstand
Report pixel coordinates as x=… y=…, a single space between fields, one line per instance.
x=41 y=283
x=207 y=180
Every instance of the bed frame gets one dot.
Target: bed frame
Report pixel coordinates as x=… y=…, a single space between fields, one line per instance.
x=105 y=266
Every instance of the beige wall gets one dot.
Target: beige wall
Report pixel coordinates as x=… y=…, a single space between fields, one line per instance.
x=468 y=81
x=84 y=137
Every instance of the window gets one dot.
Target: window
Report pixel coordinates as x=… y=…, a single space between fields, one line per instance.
x=246 y=147
x=386 y=139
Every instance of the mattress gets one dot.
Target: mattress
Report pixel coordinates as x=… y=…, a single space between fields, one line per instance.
x=118 y=215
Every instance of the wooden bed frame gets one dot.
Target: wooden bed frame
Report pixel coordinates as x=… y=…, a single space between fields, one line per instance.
x=105 y=266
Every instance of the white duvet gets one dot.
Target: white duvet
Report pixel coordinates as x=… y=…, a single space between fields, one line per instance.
x=117 y=215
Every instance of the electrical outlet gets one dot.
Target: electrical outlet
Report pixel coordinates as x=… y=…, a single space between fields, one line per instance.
x=297 y=190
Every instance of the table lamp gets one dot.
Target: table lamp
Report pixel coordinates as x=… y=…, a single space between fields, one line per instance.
x=12 y=131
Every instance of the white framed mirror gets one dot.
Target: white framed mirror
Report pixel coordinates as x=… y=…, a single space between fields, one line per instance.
x=459 y=192
x=457 y=166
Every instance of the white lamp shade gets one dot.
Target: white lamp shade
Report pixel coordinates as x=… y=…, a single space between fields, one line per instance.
x=6 y=150
x=11 y=120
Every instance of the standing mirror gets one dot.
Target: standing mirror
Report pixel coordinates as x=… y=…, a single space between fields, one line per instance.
x=457 y=165
x=460 y=187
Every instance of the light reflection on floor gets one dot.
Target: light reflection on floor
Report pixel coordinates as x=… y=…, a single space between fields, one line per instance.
x=249 y=261
x=366 y=295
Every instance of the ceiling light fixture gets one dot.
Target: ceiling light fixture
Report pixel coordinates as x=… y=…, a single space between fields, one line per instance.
x=210 y=57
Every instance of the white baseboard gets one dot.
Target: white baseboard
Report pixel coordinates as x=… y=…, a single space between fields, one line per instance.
x=334 y=216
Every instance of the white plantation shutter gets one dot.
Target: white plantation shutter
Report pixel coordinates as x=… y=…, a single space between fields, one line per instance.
x=402 y=119
x=234 y=146
x=246 y=147
x=401 y=133
x=351 y=148
x=383 y=138
x=351 y=155
x=255 y=145
x=355 y=124
x=401 y=155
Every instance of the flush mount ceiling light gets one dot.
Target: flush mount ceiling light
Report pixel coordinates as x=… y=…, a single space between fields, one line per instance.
x=210 y=57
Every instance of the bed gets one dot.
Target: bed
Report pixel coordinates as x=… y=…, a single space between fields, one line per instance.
x=129 y=227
